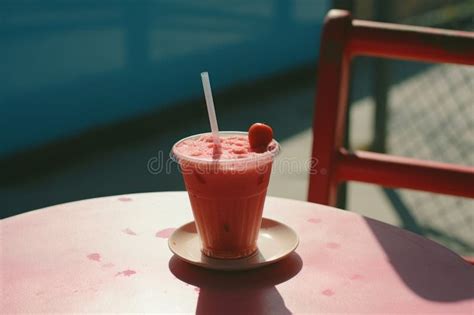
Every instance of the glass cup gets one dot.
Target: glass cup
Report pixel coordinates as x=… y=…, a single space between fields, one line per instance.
x=227 y=198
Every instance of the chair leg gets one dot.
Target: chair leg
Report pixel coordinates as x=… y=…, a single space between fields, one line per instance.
x=342 y=196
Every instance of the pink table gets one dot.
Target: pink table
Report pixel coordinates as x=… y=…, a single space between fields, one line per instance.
x=110 y=255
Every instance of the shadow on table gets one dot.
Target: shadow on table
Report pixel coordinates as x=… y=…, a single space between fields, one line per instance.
x=244 y=292
x=433 y=272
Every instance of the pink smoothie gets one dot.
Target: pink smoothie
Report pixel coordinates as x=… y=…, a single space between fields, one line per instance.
x=227 y=190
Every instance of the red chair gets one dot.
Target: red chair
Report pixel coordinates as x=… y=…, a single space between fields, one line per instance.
x=342 y=39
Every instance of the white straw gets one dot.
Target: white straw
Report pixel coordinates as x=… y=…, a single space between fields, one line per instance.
x=210 y=107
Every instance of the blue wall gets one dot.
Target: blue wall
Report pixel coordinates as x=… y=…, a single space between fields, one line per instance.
x=70 y=65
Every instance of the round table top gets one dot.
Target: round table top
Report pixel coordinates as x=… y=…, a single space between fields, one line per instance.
x=110 y=255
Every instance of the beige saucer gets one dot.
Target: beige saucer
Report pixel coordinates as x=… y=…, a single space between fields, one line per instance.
x=275 y=242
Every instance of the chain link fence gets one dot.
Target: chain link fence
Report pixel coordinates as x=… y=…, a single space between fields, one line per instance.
x=431 y=117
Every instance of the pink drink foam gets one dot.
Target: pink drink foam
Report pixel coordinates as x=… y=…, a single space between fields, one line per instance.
x=232 y=147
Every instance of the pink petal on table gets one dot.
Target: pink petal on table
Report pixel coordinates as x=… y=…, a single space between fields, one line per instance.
x=125 y=199
x=314 y=220
x=94 y=256
x=332 y=245
x=129 y=231
x=165 y=233
x=126 y=273
x=356 y=277
x=328 y=292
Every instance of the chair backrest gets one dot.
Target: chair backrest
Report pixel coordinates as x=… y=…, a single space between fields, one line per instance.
x=342 y=39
